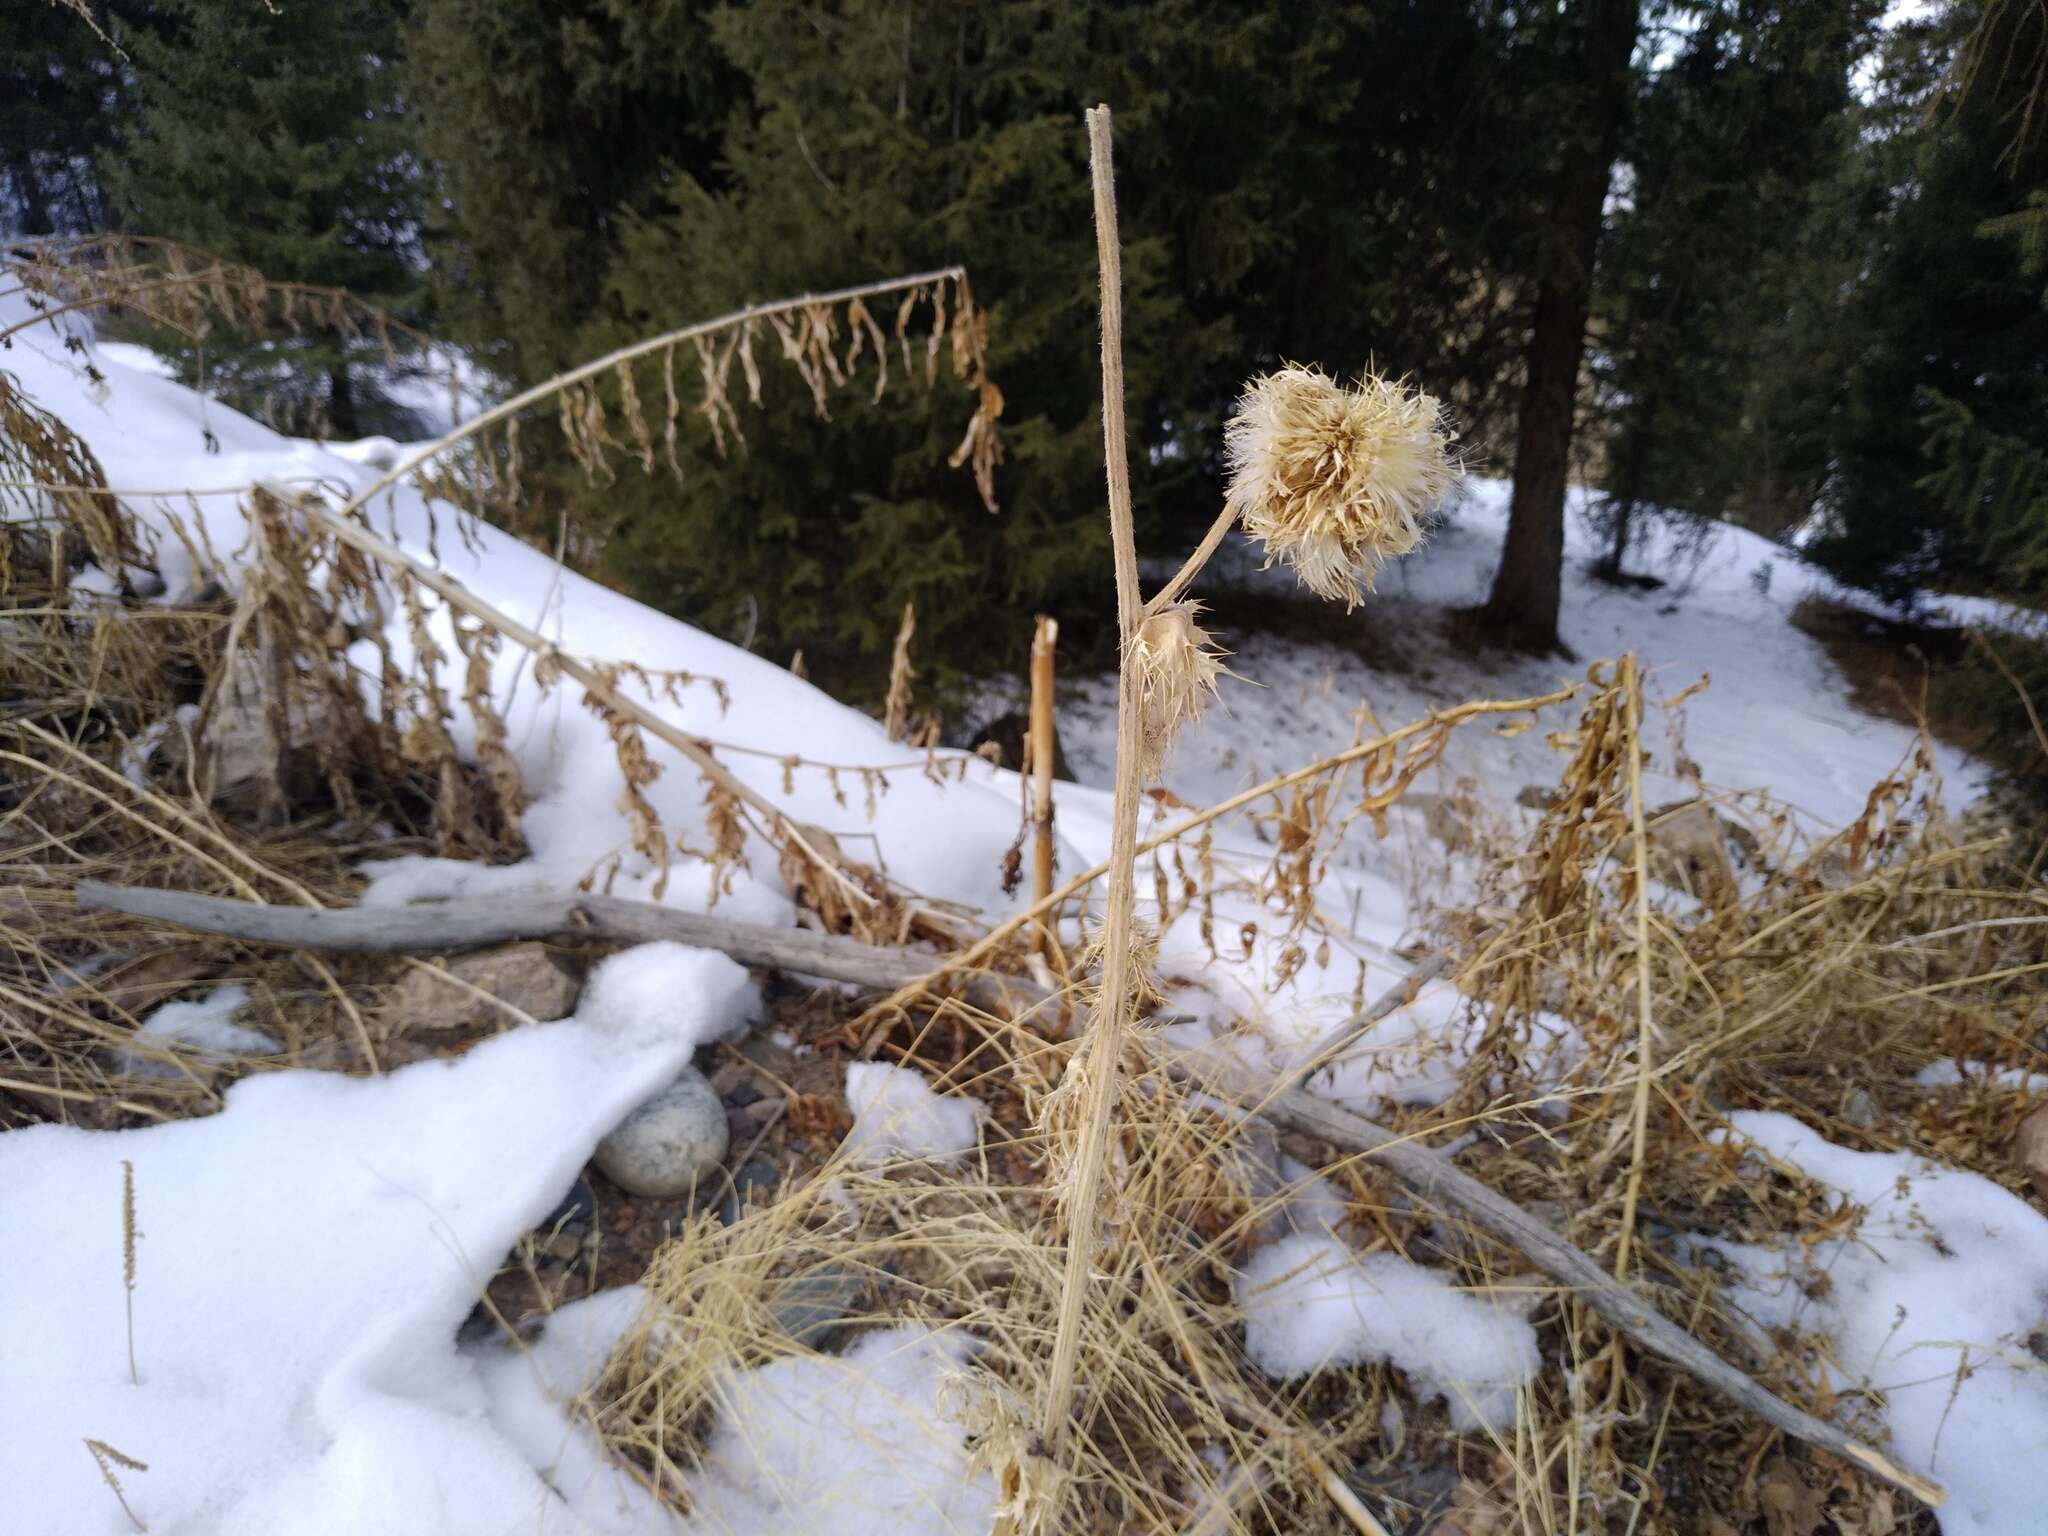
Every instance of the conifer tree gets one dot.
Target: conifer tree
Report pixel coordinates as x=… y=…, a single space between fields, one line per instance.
x=1946 y=394
x=60 y=96
x=275 y=136
x=1730 y=143
x=1598 y=41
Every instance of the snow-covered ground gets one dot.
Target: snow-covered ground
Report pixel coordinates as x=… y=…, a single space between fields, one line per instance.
x=1776 y=716
x=308 y=1253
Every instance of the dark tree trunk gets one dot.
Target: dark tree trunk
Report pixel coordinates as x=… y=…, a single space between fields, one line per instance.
x=1522 y=608
x=1623 y=514
x=35 y=203
x=341 y=404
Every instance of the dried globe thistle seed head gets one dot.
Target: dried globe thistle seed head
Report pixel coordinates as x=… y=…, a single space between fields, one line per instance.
x=1175 y=666
x=1335 y=480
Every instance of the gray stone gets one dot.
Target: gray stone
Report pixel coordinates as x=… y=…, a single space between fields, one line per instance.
x=758 y=1177
x=525 y=976
x=671 y=1145
x=812 y=1304
x=1859 y=1109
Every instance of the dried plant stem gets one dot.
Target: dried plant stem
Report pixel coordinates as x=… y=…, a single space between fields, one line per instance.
x=896 y=707
x=452 y=592
x=1102 y=1056
x=168 y=812
x=626 y=354
x=106 y=1458
x=1632 y=701
x=129 y=1233
x=1042 y=746
x=1169 y=594
x=2005 y=671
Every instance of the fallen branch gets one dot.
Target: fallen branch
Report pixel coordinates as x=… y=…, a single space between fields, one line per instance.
x=432 y=926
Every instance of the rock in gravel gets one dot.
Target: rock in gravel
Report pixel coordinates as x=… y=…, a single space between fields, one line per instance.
x=576 y=1212
x=526 y=976
x=670 y=1145
x=757 y=1178
x=810 y=1305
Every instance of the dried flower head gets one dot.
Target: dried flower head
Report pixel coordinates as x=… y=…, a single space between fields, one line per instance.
x=1175 y=666
x=1334 y=480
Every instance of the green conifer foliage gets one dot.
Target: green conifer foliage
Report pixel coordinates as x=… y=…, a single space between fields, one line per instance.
x=276 y=137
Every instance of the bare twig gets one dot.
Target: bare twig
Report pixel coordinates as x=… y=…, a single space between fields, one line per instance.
x=1042 y=744
x=435 y=927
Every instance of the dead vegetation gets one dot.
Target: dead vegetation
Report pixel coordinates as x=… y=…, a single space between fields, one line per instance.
x=1813 y=976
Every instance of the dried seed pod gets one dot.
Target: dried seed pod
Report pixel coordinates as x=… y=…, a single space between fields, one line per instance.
x=1335 y=480
x=1175 y=666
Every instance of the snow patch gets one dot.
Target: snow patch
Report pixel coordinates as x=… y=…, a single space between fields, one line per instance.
x=307 y=1255
x=1932 y=1301
x=1949 y=1074
x=206 y=1028
x=896 y=1114
x=1310 y=1303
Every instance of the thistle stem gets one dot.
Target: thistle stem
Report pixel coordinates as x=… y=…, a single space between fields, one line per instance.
x=1101 y=1056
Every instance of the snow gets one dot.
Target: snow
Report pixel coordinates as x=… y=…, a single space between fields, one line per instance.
x=665 y=989
x=1949 y=1074
x=306 y=1258
x=896 y=1114
x=810 y=1445
x=1310 y=1303
x=854 y=1444
x=206 y=1027
x=1933 y=1301
x=1776 y=718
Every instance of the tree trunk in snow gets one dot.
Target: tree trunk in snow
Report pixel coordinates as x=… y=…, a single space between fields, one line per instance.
x=341 y=404
x=1522 y=607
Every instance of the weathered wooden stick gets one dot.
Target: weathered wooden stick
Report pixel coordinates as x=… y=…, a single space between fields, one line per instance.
x=431 y=926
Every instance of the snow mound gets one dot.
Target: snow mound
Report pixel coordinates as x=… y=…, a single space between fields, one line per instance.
x=669 y=991
x=896 y=1114
x=1309 y=1303
x=1934 y=1301
x=306 y=1258
x=855 y=1444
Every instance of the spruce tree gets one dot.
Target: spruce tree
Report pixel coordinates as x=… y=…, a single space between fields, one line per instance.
x=546 y=124
x=1732 y=140
x=1522 y=606
x=60 y=97
x=276 y=137
x=1949 y=334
